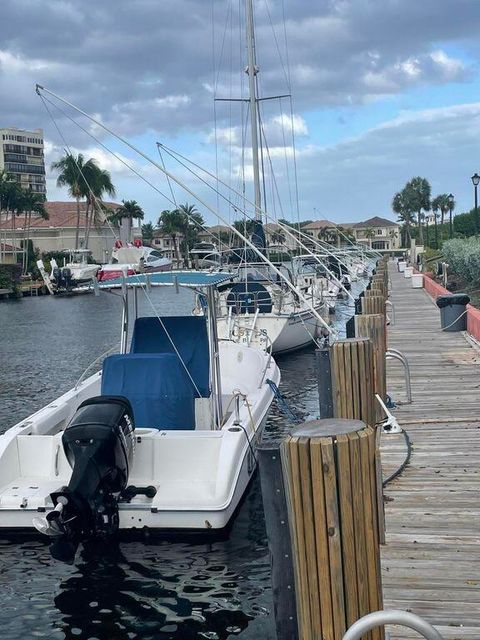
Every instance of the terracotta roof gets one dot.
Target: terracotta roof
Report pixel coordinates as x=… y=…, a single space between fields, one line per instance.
x=318 y=224
x=218 y=228
x=61 y=215
x=376 y=221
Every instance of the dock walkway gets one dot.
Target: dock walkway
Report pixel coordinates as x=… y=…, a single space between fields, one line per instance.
x=431 y=559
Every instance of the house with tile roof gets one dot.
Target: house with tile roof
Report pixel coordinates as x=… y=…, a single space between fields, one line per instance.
x=58 y=232
x=378 y=233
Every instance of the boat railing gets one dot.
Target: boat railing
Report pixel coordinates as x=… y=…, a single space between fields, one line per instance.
x=116 y=347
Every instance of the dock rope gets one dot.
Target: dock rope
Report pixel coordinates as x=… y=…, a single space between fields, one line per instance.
x=404 y=464
x=282 y=403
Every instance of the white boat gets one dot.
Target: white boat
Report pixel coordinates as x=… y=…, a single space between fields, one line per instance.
x=257 y=310
x=205 y=255
x=162 y=438
x=130 y=259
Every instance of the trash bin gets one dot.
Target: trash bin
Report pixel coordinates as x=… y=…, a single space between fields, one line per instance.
x=453 y=309
x=408 y=272
x=417 y=281
x=401 y=266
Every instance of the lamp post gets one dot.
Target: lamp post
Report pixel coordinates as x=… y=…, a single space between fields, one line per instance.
x=476 y=180
x=451 y=202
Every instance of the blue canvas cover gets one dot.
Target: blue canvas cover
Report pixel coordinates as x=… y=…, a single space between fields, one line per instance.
x=189 y=335
x=158 y=388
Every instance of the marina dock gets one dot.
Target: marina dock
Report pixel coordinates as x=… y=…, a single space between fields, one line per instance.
x=431 y=560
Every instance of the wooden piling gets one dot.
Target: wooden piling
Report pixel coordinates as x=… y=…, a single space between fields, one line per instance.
x=353 y=380
x=330 y=479
x=373 y=327
x=372 y=305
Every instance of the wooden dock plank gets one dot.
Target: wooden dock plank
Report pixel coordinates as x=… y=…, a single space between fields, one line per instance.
x=430 y=562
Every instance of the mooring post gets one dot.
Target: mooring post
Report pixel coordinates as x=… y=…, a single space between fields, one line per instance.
x=279 y=540
x=324 y=382
x=353 y=380
x=329 y=475
x=373 y=327
x=372 y=304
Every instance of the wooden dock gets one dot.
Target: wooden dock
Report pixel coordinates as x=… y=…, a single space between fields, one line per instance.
x=431 y=559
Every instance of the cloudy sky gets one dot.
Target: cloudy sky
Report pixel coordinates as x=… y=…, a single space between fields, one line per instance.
x=382 y=90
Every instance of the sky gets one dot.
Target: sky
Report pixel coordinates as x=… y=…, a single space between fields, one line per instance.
x=381 y=91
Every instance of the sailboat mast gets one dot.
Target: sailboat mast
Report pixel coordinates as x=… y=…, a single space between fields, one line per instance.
x=252 y=71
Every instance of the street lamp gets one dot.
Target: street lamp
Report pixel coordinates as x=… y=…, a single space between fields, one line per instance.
x=476 y=180
x=451 y=202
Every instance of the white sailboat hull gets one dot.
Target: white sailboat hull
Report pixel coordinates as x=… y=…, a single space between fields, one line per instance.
x=283 y=332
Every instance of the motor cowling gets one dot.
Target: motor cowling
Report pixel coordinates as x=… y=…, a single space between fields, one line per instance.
x=99 y=444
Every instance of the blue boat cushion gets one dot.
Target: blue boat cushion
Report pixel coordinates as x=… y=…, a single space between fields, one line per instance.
x=246 y=297
x=158 y=388
x=188 y=334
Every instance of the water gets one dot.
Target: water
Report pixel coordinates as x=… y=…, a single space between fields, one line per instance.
x=162 y=589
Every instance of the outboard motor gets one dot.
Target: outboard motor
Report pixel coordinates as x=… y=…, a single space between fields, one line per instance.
x=99 y=444
x=67 y=278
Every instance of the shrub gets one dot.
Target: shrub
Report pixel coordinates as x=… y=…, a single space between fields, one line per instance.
x=463 y=256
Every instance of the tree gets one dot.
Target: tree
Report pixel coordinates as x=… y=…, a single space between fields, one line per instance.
x=417 y=194
x=441 y=203
x=100 y=183
x=33 y=204
x=401 y=206
x=73 y=171
x=171 y=223
x=148 y=233
x=192 y=222
x=369 y=233
x=245 y=227
x=130 y=210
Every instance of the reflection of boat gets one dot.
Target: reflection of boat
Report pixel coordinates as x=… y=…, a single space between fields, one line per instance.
x=162 y=438
x=205 y=255
x=132 y=259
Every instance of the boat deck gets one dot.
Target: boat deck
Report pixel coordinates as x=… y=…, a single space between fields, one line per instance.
x=431 y=559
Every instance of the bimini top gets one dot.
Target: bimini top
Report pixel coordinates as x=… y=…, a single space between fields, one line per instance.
x=194 y=279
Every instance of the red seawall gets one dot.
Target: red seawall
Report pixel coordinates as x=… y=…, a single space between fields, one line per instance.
x=473 y=315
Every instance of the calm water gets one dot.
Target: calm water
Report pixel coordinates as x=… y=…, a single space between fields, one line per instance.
x=179 y=590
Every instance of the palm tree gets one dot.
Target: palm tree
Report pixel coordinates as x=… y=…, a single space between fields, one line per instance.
x=441 y=202
x=33 y=203
x=171 y=223
x=130 y=210
x=393 y=233
x=100 y=183
x=417 y=193
x=401 y=207
x=148 y=233
x=192 y=222
x=73 y=171
x=369 y=233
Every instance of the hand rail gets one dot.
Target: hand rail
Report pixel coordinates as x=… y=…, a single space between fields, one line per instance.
x=395 y=354
x=92 y=364
x=393 y=616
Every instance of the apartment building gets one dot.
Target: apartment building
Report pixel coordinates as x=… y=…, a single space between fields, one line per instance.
x=21 y=154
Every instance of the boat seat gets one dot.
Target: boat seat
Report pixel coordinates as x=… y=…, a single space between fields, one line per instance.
x=159 y=389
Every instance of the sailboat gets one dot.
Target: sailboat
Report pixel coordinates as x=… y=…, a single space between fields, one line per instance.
x=161 y=438
x=255 y=309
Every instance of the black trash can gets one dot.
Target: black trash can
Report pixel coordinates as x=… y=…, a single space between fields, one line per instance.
x=453 y=309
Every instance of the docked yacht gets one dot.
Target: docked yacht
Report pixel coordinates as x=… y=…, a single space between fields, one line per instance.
x=205 y=255
x=162 y=438
x=131 y=259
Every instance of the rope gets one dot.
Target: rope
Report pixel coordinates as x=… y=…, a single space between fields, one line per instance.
x=404 y=464
x=282 y=403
